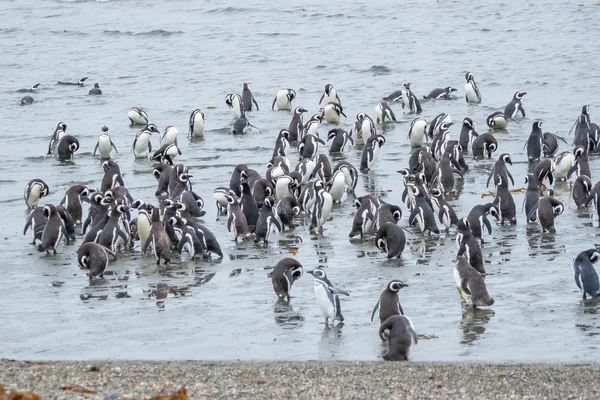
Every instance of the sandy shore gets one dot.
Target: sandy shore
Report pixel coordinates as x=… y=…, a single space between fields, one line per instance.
x=303 y=380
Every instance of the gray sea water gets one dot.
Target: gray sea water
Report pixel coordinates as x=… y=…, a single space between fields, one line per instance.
x=171 y=57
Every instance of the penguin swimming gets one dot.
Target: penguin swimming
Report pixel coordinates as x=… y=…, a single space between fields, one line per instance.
x=158 y=237
x=400 y=334
x=105 y=145
x=340 y=138
x=369 y=155
x=389 y=303
x=441 y=93
x=296 y=127
x=417 y=133
x=478 y=219
x=331 y=113
x=54 y=230
x=497 y=121
x=515 y=107
x=467 y=134
x=585 y=274
x=286 y=272
x=327 y=297
x=241 y=126
x=581 y=190
x=390 y=239
x=248 y=99
x=34 y=191
x=26 y=100
x=470 y=284
x=484 y=145
x=142 y=146
x=196 y=123
x=383 y=111
x=78 y=83
x=329 y=96
x=235 y=103
x=544 y=213
x=472 y=94
x=33 y=89
x=95 y=90
x=137 y=116
x=468 y=246
x=284 y=99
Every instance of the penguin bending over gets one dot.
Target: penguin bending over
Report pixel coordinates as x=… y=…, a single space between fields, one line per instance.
x=468 y=246
x=472 y=94
x=94 y=258
x=586 y=277
x=544 y=213
x=470 y=284
x=400 y=333
x=390 y=239
x=286 y=272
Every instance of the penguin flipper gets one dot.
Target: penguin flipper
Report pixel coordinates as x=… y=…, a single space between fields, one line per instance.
x=589 y=199
x=457 y=172
x=413 y=333
x=522 y=110
x=274 y=101
x=96 y=148
x=27 y=224
x=573 y=169
x=184 y=239
x=147 y=244
x=487 y=224
x=374 y=310
x=461 y=250
x=561 y=138
x=115 y=147
x=490 y=178
x=464 y=285
x=338 y=291
x=577 y=276
x=400 y=308
x=510 y=177
x=122 y=235
x=65 y=234
x=255 y=103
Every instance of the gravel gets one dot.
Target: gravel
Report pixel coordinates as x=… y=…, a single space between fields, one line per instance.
x=301 y=380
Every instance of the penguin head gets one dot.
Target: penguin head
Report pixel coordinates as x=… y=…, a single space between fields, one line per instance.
x=295 y=211
x=492 y=147
x=380 y=139
x=360 y=117
x=48 y=211
x=435 y=192
x=537 y=125
x=229 y=100
x=381 y=244
x=396 y=285
x=284 y=133
x=445 y=126
x=121 y=209
x=156 y=173
x=108 y=164
x=468 y=122
x=506 y=158
x=105 y=201
x=291 y=94
x=406 y=85
x=404 y=172
x=169 y=203
x=231 y=199
x=84 y=261
x=85 y=192
x=450 y=89
x=396 y=213
x=61 y=126
x=81 y=80
x=493 y=210
x=174 y=220
x=318 y=273
x=200 y=203
x=469 y=77
x=519 y=95
x=579 y=152
x=152 y=128
x=179 y=206
x=299 y=110
x=185 y=177
x=137 y=204
x=73 y=146
x=269 y=201
x=593 y=255
x=463 y=225
x=558 y=209
x=96 y=198
x=328 y=88
x=333 y=133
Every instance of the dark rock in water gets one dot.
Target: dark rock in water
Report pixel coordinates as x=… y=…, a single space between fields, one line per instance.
x=27 y=100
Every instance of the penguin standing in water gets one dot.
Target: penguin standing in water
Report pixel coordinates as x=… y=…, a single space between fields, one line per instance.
x=444 y=174
x=236 y=221
x=497 y=121
x=468 y=246
x=72 y=201
x=249 y=206
x=365 y=214
x=340 y=138
x=321 y=208
x=248 y=99
x=327 y=297
x=283 y=99
x=329 y=96
x=422 y=213
x=535 y=142
x=500 y=170
x=563 y=163
x=37 y=222
x=515 y=107
x=296 y=127
x=547 y=209
x=196 y=124
x=105 y=145
x=532 y=195
x=472 y=94
x=66 y=148
x=235 y=103
x=94 y=258
x=370 y=151
x=583 y=129
x=504 y=202
x=287 y=208
x=417 y=133
x=446 y=214
x=478 y=219
x=390 y=239
x=58 y=133
x=544 y=172
x=286 y=272
x=484 y=145
x=331 y=113
x=137 y=116
x=54 y=230
x=470 y=284
x=551 y=143
x=595 y=197
x=383 y=111
x=581 y=165
x=158 y=237
x=410 y=100
x=267 y=219
x=467 y=134
x=585 y=274
x=400 y=334
x=581 y=190
x=142 y=146
x=34 y=191
x=389 y=303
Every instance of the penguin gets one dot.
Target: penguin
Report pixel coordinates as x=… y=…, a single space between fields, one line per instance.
x=196 y=123
x=389 y=303
x=437 y=122
x=458 y=160
x=296 y=127
x=535 y=142
x=327 y=296
x=286 y=272
x=162 y=173
x=158 y=237
x=383 y=111
x=595 y=197
x=471 y=284
x=308 y=196
x=500 y=170
x=367 y=128
x=188 y=239
x=178 y=180
x=321 y=208
x=283 y=99
x=505 y=203
x=80 y=82
x=168 y=135
x=281 y=143
x=241 y=126
x=205 y=236
x=26 y=100
x=34 y=191
x=329 y=96
x=396 y=95
x=478 y=219
x=142 y=146
x=350 y=173
x=585 y=274
x=400 y=334
x=236 y=221
x=467 y=134
x=563 y=163
x=410 y=100
x=582 y=128
x=446 y=214
x=331 y=113
x=551 y=143
x=235 y=180
x=68 y=222
x=306 y=168
x=364 y=216
x=438 y=144
x=93 y=258
x=468 y=246
x=58 y=133
x=144 y=220
x=166 y=153
x=390 y=239
x=340 y=138
x=105 y=145
x=95 y=91
x=581 y=165
x=112 y=176
x=267 y=219
x=249 y=206
x=276 y=168
x=386 y=213
x=261 y=189
x=37 y=222
x=112 y=232
x=484 y=145
x=337 y=186
x=33 y=89
x=137 y=116
x=444 y=175
x=65 y=148
x=417 y=133
x=441 y=93
x=235 y=103
x=532 y=195
x=369 y=154
x=544 y=213
x=515 y=107
x=287 y=208
x=219 y=196
x=422 y=213
x=54 y=230
x=191 y=204
x=72 y=201
x=356 y=132
x=248 y=99
x=312 y=126
x=309 y=146
x=472 y=94
x=426 y=163
x=581 y=190
x=544 y=172
x=96 y=210
x=497 y=121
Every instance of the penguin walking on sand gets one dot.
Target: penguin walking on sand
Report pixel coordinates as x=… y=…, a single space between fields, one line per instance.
x=472 y=94
x=327 y=297
x=286 y=272
x=105 y=145
x=34 y=191
x=330 y=95
x=235 y=103
x=389 y=302
x=515 y=107
x=54 y=230
x=383 y=112
x=390 y=239
x=470 y=284
x=585 y=274
x=283 y=99
x=544 y=213
x=468 y=246
x=267 y=219
x=400 y=334
x=93 y=258
x=158 y=237
x=248 y=98
x=196 y=123
x=497 y=121
x=478 y=222
x=417 y=133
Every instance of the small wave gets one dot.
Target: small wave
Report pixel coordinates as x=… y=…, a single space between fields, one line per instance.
x=8 y=30
x=379 y=70
x=320 y=67
x=156 y=32
x=69 y=33
x=227 y=10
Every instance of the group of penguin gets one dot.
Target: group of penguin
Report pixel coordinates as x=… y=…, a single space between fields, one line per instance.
x=257 y=204
x=28 y=99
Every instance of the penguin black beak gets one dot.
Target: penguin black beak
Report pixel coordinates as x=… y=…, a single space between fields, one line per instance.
x=310 y=272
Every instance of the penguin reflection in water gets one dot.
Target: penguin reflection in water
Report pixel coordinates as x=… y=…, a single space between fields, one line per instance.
x=327 y=297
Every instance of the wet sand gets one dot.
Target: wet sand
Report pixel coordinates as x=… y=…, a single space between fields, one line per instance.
x=288 y=380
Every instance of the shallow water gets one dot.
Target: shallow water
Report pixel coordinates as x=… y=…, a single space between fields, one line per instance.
x=173 y=56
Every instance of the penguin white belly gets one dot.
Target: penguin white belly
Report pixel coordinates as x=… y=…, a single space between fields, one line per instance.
x=236 y=110
x=220 y=198
x=325 y=305
x=137 y=118
x=34 y=196
x=405 y=99
x=169 y=136
x=563 y=167
x=326 y=208
x=104 y=147
x=282 y=188
x=331 y=115
x=198 y=129
x=172 y=152
x=471 y=93
x=282 y=100
x=143 y=229
x=313 y=129
x=500 y=122
x=458 y=281
x=379 y=113
x=141 y=146
x=277 y=172
x=356 y=134
x=366 y=131
x=417 y=134
x=338 y=187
